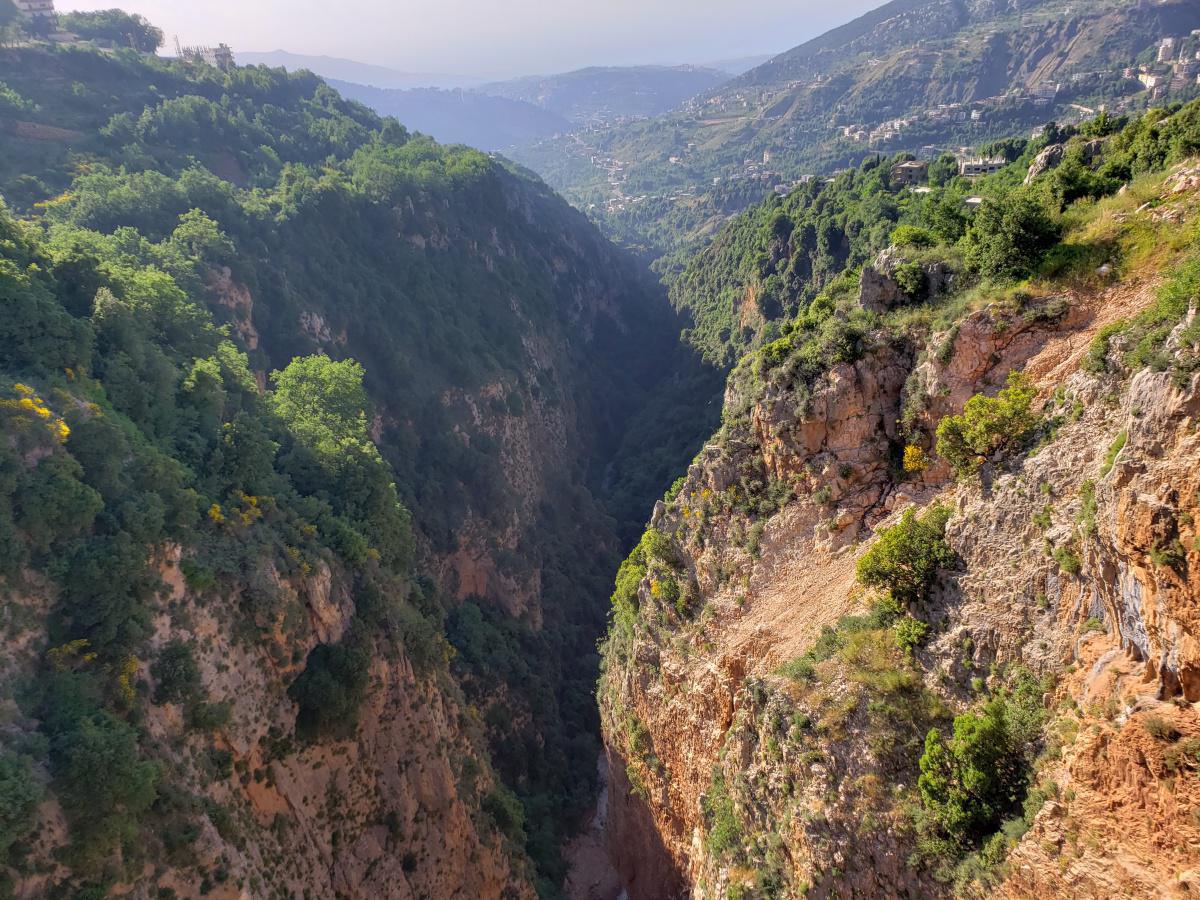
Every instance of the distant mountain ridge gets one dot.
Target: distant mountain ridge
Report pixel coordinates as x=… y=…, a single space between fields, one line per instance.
x=599 y=94
x=738 y=65
x=351 y=70
x=458 y=116
x=883 y=28
x=914 y=75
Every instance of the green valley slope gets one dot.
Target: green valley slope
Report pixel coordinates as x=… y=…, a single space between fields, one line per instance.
x=222 y=567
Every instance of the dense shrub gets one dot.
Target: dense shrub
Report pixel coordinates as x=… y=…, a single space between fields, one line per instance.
x=176 y=674
x=330 y=690
x=970 y=780
x=979 y=774
x=912 y=236
x=910 y=632
x=906 y=558
x=910 y=278
x=987 y=424
x=505 y=811
x=114 y=27
x=104 y=785
x=1009 y=235
x=20 y=794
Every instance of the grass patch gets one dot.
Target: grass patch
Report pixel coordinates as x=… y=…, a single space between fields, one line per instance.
x=1114 y=450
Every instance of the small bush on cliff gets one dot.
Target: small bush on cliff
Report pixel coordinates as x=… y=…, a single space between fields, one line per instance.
x=20 y=794
x=987 y=424
x=1114 y=450
x=176 y=674
x=330 y=689
x=910 y=633
x=906 y=558
x=1068 y=559
x=724 y=827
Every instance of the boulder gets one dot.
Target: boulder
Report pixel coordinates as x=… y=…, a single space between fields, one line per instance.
x=1045 y=161
x=1053 y=155
x=879 y=291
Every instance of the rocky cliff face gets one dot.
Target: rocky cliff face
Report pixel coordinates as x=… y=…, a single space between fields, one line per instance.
x=390 y=808
x=765 y=745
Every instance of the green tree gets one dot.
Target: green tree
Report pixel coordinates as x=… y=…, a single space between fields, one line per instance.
x=54 y=503
x=943 y=170
x=987 y=424
x=912 y=236
x=969 y=782
x=103 y=783
x=325 y=406
x=331 y=689
x=176 y=674
x=20 y=795
x=115 y=27
x=1009 y=236
x=905 y=559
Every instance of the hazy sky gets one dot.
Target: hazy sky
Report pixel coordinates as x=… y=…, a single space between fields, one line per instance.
x=497 y=37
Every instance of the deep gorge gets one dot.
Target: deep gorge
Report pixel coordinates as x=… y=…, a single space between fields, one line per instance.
x=358 y=496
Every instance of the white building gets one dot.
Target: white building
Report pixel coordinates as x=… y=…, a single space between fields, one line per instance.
x=977 y=166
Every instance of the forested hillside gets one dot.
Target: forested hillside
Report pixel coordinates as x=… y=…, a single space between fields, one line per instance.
x=305 y=416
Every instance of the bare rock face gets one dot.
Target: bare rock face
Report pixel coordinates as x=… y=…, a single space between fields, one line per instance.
x=1053 y=155
x=880 y=291
x=762 y=541
x=236 y=298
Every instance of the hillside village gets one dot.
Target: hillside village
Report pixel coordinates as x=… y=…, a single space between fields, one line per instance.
x=38 y=20
x=1174 y=74
x=912 y=83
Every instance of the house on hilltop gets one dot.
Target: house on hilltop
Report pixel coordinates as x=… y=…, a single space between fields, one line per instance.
x=36 y=9
x=220 y=57
x=909 y=173
x=40 y=14
x=973 y=168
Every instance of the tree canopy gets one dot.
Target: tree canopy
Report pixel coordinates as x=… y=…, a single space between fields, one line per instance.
x=114 y=27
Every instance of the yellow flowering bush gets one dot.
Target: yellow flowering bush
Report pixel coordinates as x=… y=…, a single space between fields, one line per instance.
x=28 y=409
x=916 y=460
